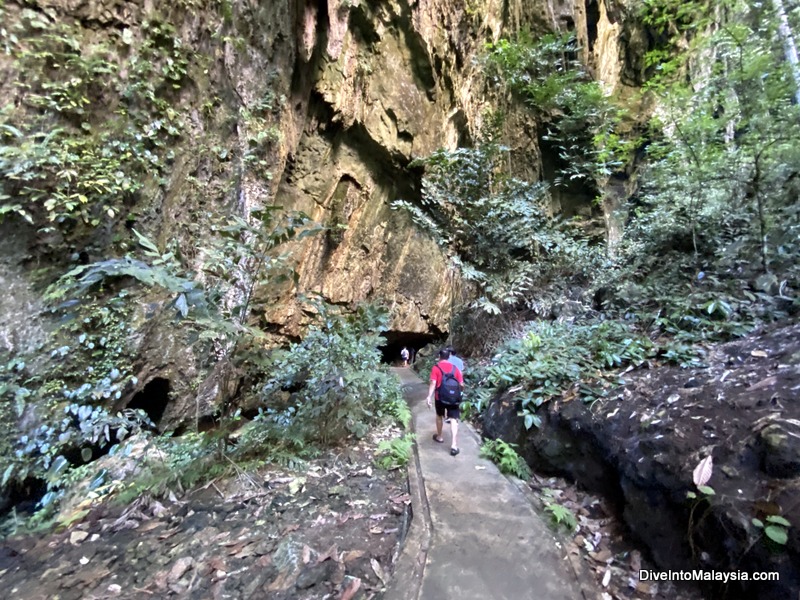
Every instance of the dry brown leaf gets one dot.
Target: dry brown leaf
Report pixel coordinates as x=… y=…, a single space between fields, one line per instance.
x=350 y=589
x=769 y=381
x=180 y=567
x=290 y=528
x=352 y=555
x=264 y=561
x=648 y=588
x=376 y=567
x=702 y=472
x=76 y=537
x=306 y=554
x=332 y=553
x=217 y=564
x=247 y=551
x=235 y=548
x=636 y=561
x=149 y=526
x=603 y=556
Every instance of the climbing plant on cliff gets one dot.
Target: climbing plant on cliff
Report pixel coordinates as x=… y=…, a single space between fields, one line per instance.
x=62 y=167
x=579 y=119
x=498 y=228
x=68 y=422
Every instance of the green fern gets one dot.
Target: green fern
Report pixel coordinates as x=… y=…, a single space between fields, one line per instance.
x=506 y=458
x=394 y=454
x=561 y=515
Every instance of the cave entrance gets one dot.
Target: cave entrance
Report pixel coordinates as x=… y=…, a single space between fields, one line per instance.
x=152 y=399
x=23 y=497
x=396 y=340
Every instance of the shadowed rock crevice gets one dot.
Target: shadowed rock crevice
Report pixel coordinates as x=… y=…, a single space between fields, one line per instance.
x=23 y=497
x=153 y=399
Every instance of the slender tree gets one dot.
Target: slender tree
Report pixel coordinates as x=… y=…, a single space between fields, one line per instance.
x=790 y=49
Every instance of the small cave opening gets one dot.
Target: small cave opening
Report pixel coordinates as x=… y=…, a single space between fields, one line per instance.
x=23 y=496
x=152 y=399
x=397 y=340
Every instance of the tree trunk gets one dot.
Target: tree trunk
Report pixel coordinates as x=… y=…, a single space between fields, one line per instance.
x=789 y=47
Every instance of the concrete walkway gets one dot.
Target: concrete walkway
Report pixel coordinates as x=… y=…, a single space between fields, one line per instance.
x=474 y=534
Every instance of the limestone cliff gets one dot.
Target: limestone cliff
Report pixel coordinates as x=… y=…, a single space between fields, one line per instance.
x=314 y=106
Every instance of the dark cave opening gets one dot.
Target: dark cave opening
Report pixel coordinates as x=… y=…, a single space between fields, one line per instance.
x=592 y=18
x=23 y=497
x=152 y=399
x=396 y=340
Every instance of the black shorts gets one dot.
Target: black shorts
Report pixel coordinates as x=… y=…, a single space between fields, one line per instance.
x=453 y=412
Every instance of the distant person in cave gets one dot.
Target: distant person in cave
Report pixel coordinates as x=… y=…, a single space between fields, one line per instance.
x=439 y=371
x=404 y=355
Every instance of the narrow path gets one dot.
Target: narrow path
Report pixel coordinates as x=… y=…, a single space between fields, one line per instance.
x=474 y=535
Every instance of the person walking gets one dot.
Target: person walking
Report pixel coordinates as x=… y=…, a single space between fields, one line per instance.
x=458 y=363
x=404 y=356
x=446 y=385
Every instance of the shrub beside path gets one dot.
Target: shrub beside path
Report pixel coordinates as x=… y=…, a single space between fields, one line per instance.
x=475 y=534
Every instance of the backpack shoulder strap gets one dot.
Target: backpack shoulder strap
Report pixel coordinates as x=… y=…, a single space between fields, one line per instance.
x=441 y=370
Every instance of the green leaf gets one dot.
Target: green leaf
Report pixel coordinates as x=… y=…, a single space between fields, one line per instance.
x=7 y=475
x=778 y=520
x=758 y=523
x=182 y=305
x=776 y=534
x=86 y=454
x=146 y=243
x=59 y=465
x=531 y=420
x=708 y=491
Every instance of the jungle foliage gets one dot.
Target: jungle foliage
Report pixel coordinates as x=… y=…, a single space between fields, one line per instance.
x=88 y=144
x=312 y=394
x=62 y=164
x=710 y=242
x=497 y=228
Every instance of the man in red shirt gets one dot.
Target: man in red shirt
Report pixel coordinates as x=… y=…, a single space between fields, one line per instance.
x=454 y=412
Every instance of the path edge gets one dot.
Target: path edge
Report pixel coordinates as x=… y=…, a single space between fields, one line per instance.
x=579 y=570
x=406 y=581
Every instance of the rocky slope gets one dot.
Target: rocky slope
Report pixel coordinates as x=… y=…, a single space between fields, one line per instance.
x=641 y=446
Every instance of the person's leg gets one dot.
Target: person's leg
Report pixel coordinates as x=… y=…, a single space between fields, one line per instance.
x=439 y=418
x=453 y=433
x=455 y=415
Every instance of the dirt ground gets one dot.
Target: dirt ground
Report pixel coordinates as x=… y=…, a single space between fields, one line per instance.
x=602 y=547
x=330 y=531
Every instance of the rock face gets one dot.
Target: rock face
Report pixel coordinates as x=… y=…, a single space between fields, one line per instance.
x=314 y=107
x=641 y=446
